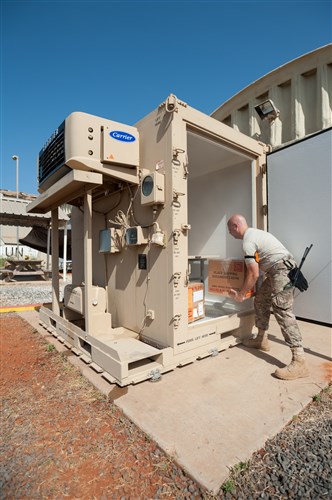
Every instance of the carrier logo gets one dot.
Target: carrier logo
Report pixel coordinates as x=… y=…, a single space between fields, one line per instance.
x=122 y=136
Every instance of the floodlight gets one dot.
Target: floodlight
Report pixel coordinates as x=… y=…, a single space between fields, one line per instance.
x=267 y=109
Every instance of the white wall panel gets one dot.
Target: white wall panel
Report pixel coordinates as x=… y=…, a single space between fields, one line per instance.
x=300 y=213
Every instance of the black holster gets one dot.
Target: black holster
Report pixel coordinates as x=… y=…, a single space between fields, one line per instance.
x=297 y=279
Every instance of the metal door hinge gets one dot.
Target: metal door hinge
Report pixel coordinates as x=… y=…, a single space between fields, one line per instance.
x=176 y=279
x=264 y=210
x=176 y=153
x=176 y=236
x=176 y=320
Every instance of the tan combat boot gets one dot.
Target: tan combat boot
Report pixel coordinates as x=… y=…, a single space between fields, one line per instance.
x=297 y=367
x=260 y=342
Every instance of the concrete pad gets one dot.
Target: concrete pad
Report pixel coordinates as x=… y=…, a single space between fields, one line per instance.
x=216 y=412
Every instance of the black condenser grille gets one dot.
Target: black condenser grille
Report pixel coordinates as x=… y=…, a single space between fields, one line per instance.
x=52 y=156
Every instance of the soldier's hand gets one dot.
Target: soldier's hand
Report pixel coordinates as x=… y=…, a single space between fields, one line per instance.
x=236 y=295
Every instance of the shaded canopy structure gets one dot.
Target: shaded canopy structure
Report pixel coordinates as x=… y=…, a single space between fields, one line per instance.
x=38 y=240
x=13 y=212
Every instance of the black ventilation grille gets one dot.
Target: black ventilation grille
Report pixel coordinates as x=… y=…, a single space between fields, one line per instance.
x=52 y=156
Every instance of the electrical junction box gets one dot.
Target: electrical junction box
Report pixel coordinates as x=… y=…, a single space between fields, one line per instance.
x=159 y=238
x=73 y=298
x=110 y=240
x=136 y=235
x=153 y=189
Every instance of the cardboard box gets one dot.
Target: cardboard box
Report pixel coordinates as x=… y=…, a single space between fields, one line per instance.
x=226 y=274
x=196 y=308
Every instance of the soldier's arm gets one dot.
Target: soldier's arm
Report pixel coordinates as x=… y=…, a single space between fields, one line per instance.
x=252 y=276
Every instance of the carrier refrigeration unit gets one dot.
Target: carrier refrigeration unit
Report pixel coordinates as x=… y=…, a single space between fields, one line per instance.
x=150 y=209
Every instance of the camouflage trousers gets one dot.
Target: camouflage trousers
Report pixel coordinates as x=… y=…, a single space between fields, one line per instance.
x=271 y=294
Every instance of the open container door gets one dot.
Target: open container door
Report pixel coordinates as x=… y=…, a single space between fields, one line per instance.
x=299 y=213
x=221 y=182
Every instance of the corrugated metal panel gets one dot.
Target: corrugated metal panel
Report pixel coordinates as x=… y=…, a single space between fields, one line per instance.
x=13 y=212
x=17 y=207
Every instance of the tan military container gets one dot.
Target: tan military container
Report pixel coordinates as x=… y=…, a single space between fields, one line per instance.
x=144 y=232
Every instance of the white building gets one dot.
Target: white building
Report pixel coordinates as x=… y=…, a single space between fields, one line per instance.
x=298 y=127
x=301 y=91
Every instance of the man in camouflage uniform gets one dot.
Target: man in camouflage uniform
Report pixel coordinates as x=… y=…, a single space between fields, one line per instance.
x=264 y=252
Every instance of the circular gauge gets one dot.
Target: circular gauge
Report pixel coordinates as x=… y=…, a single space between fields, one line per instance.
x=147 y=185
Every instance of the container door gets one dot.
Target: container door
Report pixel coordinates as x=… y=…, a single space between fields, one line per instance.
x=299 y=213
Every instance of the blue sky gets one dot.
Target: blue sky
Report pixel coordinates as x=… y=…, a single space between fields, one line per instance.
x=121 y=59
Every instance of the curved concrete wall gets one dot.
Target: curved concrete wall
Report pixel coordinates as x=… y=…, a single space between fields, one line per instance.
x=301 y=90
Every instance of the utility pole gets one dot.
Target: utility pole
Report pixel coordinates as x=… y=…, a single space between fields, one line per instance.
x=17 y=158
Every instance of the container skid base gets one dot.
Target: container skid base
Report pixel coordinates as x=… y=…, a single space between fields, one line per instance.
x=121 y=358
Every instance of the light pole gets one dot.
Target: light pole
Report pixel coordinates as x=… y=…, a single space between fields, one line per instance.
x=17 y=158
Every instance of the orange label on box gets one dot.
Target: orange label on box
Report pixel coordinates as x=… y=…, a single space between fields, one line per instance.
x=195 y=302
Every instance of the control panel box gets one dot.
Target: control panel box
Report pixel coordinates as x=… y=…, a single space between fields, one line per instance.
x=153 y=189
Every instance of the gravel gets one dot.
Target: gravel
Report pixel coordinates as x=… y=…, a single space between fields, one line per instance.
x=296 y=464
x=16 y=294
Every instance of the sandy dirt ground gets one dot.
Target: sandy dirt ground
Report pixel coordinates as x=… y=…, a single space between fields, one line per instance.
x=61 y=438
